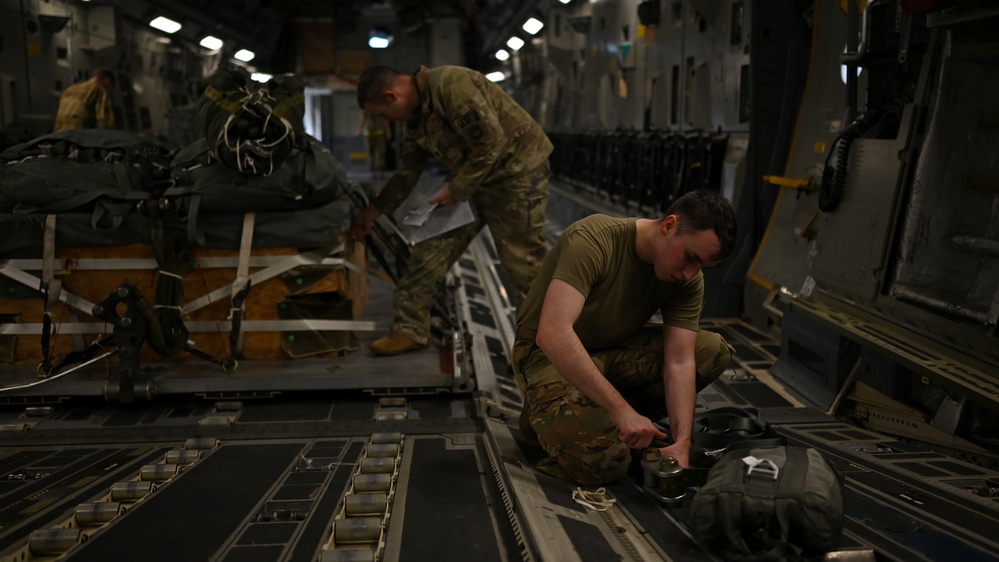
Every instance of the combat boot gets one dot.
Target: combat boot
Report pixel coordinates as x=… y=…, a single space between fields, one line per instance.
x=394 y=344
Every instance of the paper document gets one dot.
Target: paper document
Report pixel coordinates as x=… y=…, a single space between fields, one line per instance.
x=419 y=215
x=438 y=220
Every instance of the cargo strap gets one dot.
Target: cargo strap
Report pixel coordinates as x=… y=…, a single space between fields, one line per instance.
x=50 y=289
x=285 y=264
x=241 y=287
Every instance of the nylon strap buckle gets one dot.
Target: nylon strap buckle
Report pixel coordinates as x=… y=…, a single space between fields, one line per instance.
x=763 y=466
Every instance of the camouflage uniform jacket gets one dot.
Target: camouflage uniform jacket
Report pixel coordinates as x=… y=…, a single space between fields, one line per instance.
x=84 y=106
x=472 y=126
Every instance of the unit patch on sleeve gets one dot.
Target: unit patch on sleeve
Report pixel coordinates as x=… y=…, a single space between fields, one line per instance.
x=466 y=119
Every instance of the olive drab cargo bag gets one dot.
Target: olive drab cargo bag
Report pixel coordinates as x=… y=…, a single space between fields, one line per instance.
x=99 y=171
x=252 y=127
x=309 y=177
x=770 y=504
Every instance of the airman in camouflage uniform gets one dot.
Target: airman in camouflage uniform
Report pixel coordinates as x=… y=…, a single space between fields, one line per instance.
x=87 y=105
x=591 y=369
x=498 y=158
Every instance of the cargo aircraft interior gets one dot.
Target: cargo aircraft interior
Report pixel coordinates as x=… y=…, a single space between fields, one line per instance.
x=185 y=371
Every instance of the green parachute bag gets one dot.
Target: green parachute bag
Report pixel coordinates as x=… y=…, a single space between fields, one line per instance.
x=776 y=504
x=252 y=127
x=104 y=172
x=309 y=177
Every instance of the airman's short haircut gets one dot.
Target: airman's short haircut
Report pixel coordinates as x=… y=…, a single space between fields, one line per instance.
x=373 y=83
x=705 y=209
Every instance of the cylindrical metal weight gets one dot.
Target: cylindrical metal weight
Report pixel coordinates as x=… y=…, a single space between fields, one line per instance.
x=355 y=530
x=371 y=503
x=183 y=456
x=157 y=472
x=97 y=513
x=385 y=438
x=130 y=491
x=377 y=466
x=378 y=450
x=372 y=482
x=53 y=541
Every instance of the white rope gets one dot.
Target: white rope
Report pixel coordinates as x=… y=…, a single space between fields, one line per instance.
x=596 y=500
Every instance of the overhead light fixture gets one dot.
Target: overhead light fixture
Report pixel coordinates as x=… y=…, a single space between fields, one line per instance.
x=165 y=25
x=497 y=76
x=379 y=38
x=244 y=55
x=261 y=76
x=565 y=1
x=515 y=43
x=502 y=55
x=211 y=43
x=533 y=26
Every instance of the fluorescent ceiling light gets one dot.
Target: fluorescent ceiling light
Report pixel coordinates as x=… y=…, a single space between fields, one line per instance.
x=244 y=55
x=379 y=38
x=496 y=76
x=533 y=26
x=260 y=76
x=515 y=43
x=502 y=55
x=211 y=43
x=165 y=24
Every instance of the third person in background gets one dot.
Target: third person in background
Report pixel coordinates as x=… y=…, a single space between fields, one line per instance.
x=87 y=105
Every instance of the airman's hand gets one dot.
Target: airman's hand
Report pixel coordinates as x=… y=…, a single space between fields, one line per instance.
x=679 y=451
x=443 y=197
x=636 y=430
x=365 y=221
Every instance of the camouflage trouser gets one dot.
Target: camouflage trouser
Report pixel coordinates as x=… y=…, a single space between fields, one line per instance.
x=514 y=210
x=580 y=436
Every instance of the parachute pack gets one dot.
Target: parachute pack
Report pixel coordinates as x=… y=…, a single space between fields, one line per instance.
x=770 y=504
x=103 y=172
x=252 y=127
x=308 y=177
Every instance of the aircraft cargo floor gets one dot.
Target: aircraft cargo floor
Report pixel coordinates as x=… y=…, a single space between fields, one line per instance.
x=358 y=458
x=443 y=477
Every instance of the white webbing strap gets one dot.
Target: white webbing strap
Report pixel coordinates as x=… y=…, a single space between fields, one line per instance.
x=49 y=282
x=242 y=273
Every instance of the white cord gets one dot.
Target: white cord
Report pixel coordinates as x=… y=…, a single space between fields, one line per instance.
x=596 y=500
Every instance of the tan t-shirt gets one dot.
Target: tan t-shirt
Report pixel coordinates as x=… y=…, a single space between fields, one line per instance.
x=597 y=256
